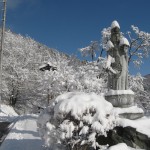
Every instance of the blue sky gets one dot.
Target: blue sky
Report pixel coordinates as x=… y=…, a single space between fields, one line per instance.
x=71 y=24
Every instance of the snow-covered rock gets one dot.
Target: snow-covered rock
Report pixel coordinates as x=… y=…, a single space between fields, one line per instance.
x=141 y=125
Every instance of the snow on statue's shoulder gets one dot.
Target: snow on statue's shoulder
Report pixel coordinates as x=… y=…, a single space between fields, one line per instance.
x=124 y=41
x=115 y=24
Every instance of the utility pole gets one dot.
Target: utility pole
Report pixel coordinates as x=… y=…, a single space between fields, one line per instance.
x=2 y=44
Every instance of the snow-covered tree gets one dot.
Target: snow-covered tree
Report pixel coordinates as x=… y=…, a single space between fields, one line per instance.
x=90 y=50
x=22 y=79
x=142 y=97
x=74 y=120
x=139 y=45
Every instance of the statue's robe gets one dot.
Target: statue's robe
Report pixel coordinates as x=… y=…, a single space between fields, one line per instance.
x=119 y=81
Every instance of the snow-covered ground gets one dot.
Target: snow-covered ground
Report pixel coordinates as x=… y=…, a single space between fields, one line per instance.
x=7 y=113
x=23 y=135
x=122 y=146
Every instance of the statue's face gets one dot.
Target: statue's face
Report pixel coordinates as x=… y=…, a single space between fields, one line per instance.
x=126 y=48
x=115 y=38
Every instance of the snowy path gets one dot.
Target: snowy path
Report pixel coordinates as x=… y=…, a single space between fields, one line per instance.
x=23 y=135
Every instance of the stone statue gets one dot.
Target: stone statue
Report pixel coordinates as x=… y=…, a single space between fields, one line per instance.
x=117 y=61
x=117 y=66
x=118 y=94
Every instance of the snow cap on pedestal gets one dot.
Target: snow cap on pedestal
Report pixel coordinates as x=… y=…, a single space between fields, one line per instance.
x=124 y=41
x=115 y=24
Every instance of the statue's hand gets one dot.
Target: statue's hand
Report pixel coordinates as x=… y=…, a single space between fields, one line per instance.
x=110 y=69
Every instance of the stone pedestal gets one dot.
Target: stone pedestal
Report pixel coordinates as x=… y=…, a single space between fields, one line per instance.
x=123 y=101
x=131 y=113
x=120 y=98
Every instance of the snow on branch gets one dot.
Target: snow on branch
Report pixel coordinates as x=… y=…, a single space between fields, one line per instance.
x=139 y=45
x=90 y=50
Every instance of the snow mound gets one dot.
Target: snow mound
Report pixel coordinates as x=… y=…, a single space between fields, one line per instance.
x=7 y=113
x=78 y=103
x=76 y=117
x=141 y=125
x=120 y=146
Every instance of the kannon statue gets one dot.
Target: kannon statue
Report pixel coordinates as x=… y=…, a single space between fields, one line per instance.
x=117 y=59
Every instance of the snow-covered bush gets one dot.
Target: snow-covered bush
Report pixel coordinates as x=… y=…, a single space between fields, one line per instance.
x=75 y=120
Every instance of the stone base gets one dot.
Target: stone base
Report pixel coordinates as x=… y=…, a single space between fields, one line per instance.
x=131 y=113
x=131 y=116
x=120 y=98
x=123 y=102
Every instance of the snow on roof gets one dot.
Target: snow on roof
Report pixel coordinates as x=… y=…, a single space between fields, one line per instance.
x=109 y=45
x=115 y=24
x=124 y=41
x=141 y=125
x=47 y=63
x=42 y=66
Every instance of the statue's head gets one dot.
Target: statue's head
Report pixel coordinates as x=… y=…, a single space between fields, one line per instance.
x=115 y=32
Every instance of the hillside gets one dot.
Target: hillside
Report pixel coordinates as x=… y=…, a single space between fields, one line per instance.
x=27 y=88
x=22 y=79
